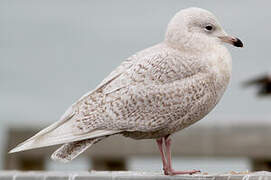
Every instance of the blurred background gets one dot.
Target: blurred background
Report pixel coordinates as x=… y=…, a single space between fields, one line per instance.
x=54 y=51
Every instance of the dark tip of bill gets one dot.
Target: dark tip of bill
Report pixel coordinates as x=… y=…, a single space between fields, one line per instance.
x=238 y=43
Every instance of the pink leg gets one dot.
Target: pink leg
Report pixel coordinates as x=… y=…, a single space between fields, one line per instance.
x=161 y=149
x=171 y=171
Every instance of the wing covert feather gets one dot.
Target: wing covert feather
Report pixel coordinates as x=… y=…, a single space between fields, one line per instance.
x=145 y=96
x=142 y=93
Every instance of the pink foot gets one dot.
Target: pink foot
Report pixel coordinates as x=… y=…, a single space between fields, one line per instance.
x=173 y=172
x=166 y=172
x=166 y=157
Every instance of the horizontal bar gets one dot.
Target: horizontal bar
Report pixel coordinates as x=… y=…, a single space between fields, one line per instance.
x=127 y=175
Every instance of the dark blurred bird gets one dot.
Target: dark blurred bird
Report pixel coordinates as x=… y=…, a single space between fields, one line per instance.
x=263 y=84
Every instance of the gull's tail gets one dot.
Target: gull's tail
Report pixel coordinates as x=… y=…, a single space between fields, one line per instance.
x=69 y=151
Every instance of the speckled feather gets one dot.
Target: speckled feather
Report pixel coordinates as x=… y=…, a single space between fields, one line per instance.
x=69 y=151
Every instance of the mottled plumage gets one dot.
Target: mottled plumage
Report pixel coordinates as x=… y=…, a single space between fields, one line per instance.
x=152 y=94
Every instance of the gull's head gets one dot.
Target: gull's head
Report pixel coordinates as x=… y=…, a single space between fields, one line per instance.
x=197 y=29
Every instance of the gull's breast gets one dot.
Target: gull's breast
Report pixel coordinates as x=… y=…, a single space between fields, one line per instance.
x=221 y=67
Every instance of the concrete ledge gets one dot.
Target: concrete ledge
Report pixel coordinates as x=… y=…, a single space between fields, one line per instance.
x=127 y=175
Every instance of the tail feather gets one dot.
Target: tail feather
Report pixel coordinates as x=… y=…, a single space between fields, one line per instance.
x=69 y=151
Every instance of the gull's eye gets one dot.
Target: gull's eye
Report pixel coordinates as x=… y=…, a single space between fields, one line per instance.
x=209 y=28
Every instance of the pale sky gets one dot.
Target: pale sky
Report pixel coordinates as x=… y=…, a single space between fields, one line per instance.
x=52 y=52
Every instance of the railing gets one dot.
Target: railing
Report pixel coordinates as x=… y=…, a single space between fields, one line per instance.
x=128 y=175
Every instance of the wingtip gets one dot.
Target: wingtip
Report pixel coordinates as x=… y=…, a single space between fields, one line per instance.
x=20 y=147
x=14 y=150
x=26 y=145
